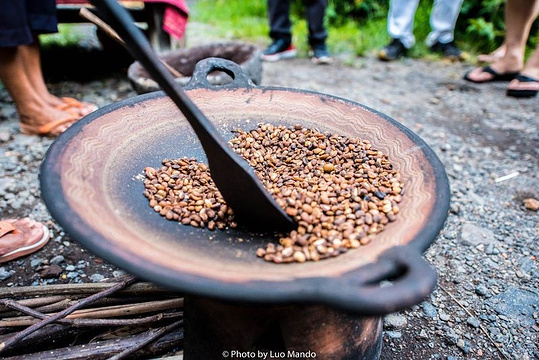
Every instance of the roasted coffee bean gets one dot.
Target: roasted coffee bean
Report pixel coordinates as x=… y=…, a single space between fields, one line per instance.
x=341 y=191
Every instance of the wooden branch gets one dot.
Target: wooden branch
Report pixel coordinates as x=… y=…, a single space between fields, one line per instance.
x=28 y=321
x=62 y=314
x=92 y=313
x=82 y=290
x=124 y=310
x=42 y=301
x=66 y=302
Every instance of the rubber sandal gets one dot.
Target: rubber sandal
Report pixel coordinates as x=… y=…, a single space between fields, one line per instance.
x=527 y=87
x=496 y=76
x=84 y=108
x=21 y=237
x=47 y=129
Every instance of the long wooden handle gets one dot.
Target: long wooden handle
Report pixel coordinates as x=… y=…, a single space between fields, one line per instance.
x=94 y=19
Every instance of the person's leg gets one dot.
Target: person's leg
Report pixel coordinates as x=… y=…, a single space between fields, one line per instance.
x=400 y=21
x=531 y=69
x=279 y=19
x=31 y=58
x=519 y=17
x=280 y=32
x=500 y=51
x=400 y=26
x=316 y=10
x=443 y=19
x=34 y=112
x=493 y=56
x=41 y=19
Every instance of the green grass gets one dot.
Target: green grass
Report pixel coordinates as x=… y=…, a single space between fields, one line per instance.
x=233 y=19
x=66 y=36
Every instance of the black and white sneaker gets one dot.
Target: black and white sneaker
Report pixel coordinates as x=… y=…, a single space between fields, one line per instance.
x=278 y=50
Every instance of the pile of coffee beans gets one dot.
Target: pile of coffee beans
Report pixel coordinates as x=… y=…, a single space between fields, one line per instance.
x=183 y=190
x=340 y=190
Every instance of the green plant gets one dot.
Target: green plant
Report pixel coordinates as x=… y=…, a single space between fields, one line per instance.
x=481 y=23
x=66 y=36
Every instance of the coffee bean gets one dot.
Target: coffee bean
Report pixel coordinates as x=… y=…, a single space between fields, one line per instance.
x=342 y=191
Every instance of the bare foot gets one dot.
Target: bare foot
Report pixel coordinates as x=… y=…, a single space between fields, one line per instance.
x=44 y=119
x=69 y=104
x=494 y=56
x=81 y=107
x=504 y=69
x=488 y=74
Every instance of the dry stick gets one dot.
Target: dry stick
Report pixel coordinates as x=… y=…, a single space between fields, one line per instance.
x=80 y=321
x=500 y=350
x=59 y=306
x=65 y=303
x=88 y=15
x=154 y=334
x=124 y=310
x=92 y=313
x=82 y=290
x=87 y=322
x=39 y=302
x=62 y=314
x=105 y=322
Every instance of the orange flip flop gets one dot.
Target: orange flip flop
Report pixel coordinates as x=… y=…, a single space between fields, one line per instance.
x=49 y=129
x=84 y=108
x=21 y=237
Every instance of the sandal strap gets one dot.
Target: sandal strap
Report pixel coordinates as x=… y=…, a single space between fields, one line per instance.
x=6 y=227
x=490 y=70
x=524 y=78
x=72 y=102
x=49 y=127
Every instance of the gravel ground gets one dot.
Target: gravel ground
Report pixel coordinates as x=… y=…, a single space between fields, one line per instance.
x=486 y=305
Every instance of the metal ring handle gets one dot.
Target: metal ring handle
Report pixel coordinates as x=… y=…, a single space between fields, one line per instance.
x=204 y=67
x=412 y=278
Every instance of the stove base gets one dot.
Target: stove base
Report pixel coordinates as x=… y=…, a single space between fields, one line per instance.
x=220 y=330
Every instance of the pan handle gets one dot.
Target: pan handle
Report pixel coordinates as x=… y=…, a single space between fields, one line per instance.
x=204 y=67
x=412 y=280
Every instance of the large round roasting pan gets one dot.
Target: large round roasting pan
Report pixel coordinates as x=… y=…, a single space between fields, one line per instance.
x=91 y=183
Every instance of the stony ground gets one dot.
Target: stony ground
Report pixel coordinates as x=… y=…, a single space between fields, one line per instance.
x=486 y=305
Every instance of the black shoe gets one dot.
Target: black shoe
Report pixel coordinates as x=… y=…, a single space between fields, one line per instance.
x=320 y=54
x=448 y=50
x=393 y=51
x=278 y=50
